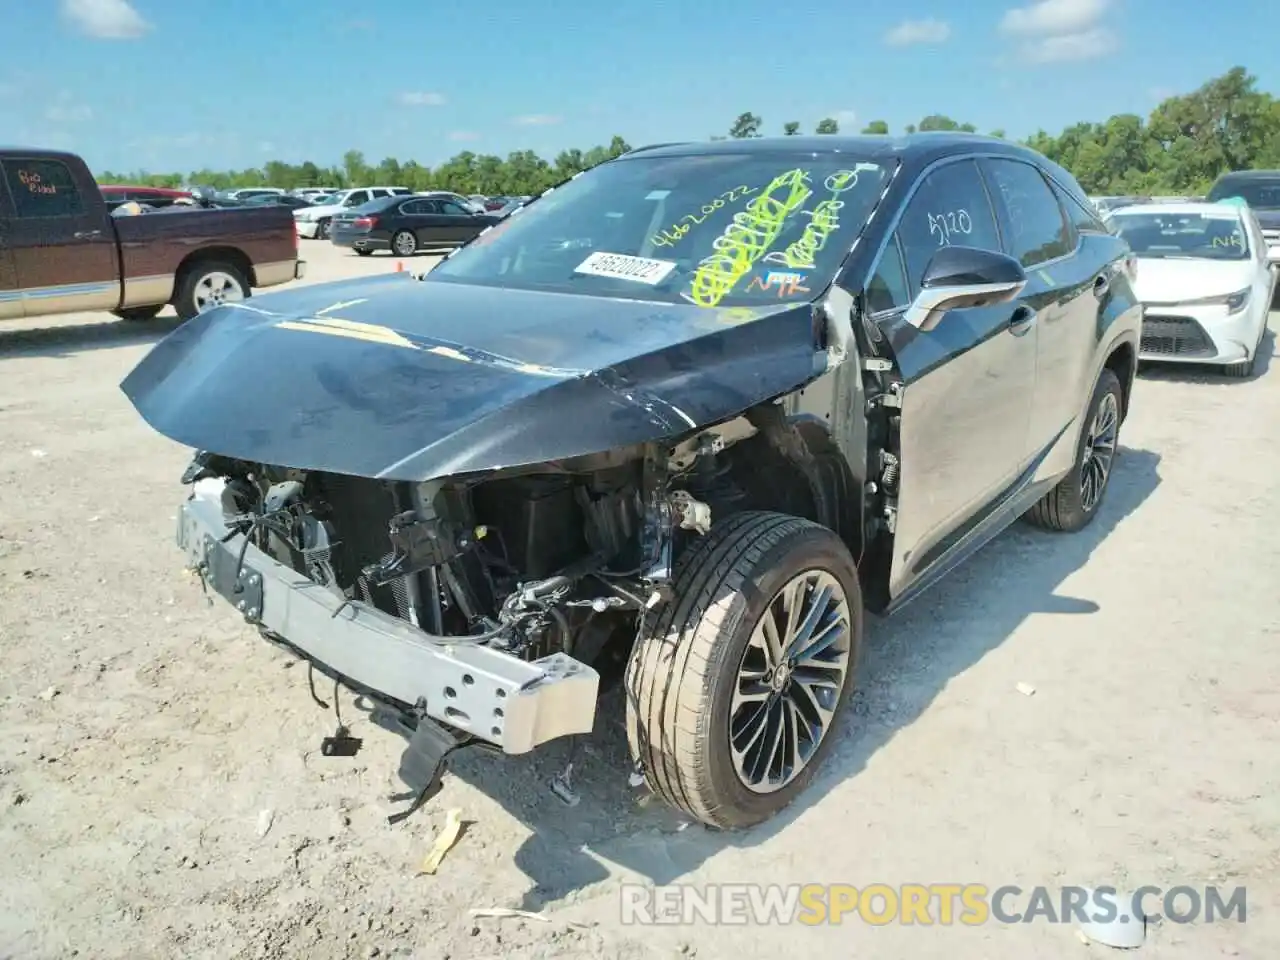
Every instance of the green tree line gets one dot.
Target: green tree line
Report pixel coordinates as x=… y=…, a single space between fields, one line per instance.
x=1180 y=148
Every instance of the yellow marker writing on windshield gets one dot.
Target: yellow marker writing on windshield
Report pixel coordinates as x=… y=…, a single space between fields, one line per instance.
x=747 y=239
x=674 y=233
x=824 y=220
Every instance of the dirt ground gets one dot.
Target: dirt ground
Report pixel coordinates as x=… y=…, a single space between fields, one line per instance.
x=162 y=791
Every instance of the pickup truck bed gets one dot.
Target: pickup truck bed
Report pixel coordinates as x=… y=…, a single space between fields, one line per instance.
x=61 y=251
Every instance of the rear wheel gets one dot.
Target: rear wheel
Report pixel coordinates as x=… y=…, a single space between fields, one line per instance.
x=139 y=314
x=203 y=286
x=404 y=243
x=322 y=229
x=736 y=684
x=1074 y=502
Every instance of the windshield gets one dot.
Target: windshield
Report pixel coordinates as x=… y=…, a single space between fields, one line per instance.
x=1219 y=236
x=712 y=230
x=1260 y=194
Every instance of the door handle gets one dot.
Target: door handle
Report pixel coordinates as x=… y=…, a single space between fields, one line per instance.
x=1101 y=286
x=86 y=234
x=1022 y=320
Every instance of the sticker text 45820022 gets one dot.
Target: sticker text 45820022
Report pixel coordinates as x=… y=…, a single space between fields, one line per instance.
x=676 y=232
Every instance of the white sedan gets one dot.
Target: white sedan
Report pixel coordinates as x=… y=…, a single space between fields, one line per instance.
x=1205 y=280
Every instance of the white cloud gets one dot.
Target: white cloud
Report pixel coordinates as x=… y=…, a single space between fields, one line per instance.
x=538 y=120
x=1070 y=47
x=106 y=19
x=460 y=136
x=912 y=32
x=421 y=99
x=1061 y=31
x=845 y=118
x=68 y=113
x=1053 y=17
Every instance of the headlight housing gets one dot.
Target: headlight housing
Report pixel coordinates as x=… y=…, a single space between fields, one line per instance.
x=1234 y=302
x=1238 y=301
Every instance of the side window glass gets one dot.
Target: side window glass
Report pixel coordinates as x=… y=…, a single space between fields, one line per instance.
x=950 y=208
x=453 y=210
x=1036 y=229
x=1082 y=218
x=43 y=188
x=888 y=288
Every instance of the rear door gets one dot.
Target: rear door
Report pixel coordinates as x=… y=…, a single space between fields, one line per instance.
x=423 y=217
x=967 y=382
x=10 y=296
x=460 y=224
x=64 y=251
x=1067 y=286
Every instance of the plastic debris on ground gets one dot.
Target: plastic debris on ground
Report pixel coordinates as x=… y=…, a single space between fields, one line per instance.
x=445 y=840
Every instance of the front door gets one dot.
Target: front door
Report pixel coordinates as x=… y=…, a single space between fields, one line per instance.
x=426 y=221
x=967 y=383
x=10 y=295
x=64 y=251
x=63 y=248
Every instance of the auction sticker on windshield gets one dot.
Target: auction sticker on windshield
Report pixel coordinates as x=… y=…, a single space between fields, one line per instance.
x=621 y=267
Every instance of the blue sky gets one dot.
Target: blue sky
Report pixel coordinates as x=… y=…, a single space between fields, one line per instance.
x=182 y=84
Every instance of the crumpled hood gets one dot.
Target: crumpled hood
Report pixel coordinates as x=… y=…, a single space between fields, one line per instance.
x=1172 y=280
x=403 y=379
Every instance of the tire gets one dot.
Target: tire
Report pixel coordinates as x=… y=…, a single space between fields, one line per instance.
x=188 y=301
x=684 y=671
x=322 y=229
x=364 y=253
x=1066 y=508
x=404 y=243
x=139 y=314
x=1245 y=368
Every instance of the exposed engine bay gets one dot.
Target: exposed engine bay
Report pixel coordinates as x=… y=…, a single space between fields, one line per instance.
x=557 y=557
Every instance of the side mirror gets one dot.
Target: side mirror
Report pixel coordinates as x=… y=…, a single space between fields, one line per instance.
x=959 y=277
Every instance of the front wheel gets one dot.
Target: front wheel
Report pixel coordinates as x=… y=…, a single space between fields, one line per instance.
x=322 y=229
x=737 y=683
x=1074 y=502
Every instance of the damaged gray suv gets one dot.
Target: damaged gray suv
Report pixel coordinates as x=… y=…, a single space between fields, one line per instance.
x=677 y=422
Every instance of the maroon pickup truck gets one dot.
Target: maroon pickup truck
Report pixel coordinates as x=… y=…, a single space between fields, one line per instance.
x=61 y=251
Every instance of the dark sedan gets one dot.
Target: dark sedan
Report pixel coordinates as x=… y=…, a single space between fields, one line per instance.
x=405 y=225
x=279 y=200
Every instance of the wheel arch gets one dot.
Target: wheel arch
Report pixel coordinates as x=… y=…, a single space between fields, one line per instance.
x=232 y=256
x=793 y=464
x=1122 y=360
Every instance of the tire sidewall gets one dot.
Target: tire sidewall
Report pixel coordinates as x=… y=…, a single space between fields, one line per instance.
x=185 y=303
x=322 y=229
x=1108 y=382
x=395 y=246
x=815 y=549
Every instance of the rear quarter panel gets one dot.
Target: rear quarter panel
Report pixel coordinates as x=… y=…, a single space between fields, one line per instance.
x=154 y=248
